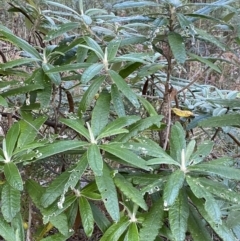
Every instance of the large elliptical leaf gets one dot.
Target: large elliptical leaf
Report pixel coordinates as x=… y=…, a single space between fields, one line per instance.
x=86 y=216
x=129 y=191
x=178 y=216
x=220 y=121
x=77 y=126
x=29 y=130
x=223 y=231
x=177 y=46
x=108 y=192
x=91 y=72
x=172 y=187
x=100 y=113
x=203 y=150
x=11 y=138
x=177 y=142
x=214 y=169
x=63 y=182
x=117 y=101
x=19 y=42
x=59 y=147
x=117 y=124
x=6 y=231
x=132 y=234
x=124 y=88
x=13 y=176
x=54 y=77
x=89 y=95
x=61 y=223
x=211 y=206
x=62 y=29
x=118 y=150
x=95 y=159
x=115 y=231
x=196 y=226
x=10 y=202
x=139 y=126
x=153 y=222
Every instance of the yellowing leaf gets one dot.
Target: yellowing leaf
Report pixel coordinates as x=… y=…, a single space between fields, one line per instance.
x=182 y=113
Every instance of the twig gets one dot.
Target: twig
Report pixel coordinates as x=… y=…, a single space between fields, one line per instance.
x=168 y=125
x=28 y=235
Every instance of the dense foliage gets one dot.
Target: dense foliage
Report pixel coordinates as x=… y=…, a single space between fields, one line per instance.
x=112 y=104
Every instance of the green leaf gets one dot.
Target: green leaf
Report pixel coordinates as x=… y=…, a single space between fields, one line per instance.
x=22 y=90
x=62 y=29
x=91 y=72
x=115 y=231
x=62 y=183
x=220 y=190
x=148 y=106
x=108 y=192
x=90 y=94
x=17 y=224
x=95 y=46
x=203 y=150
x=86 y=216
x=230 y=103
x=29 y=130
x=35 y=191
x=11 y=139
x=202 y=34
x=132 y=234
x=130 y=68
x=211 y=205
x=172 y=187
x=124 y=154
x=100 y=113
x=124 y=88
x=10 y=202
x=76 y=125
x=139 y=126
x=222 y=171
x=67 y=67
x=112 y=49
x=13 y=176
x=220 y=121
x=117 y=125
x=56 y=237
x=95 y=159
x=177 y=142
x=176 y=43
x=10 y=37
x=57 y=207
x=100 y=219
x=58 y=147
x=54 y=77
x=153 y=222
x=224 y=232
x=6 y=231
x=189 y=150
x=178 y=216
x=3 y=102
x=196 y=226
x=55 y=189
x=205 y=61
x=117 y=101
x=129 y=191
x=61 y=223
x=17 y=62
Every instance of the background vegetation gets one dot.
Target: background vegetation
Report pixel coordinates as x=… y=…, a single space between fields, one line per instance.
x=119 y=120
